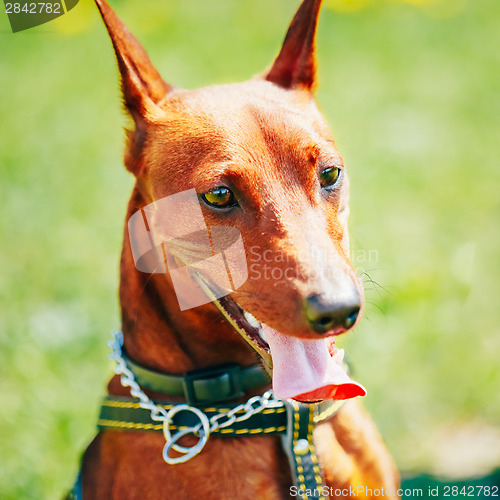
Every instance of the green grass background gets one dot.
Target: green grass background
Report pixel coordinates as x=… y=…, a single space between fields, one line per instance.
x=412 y=96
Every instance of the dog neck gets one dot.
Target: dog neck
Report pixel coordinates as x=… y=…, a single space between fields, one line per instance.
x=158 y=335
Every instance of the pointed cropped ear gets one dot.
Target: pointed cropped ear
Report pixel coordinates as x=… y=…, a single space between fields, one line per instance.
x=142 y=85
x=295 y=66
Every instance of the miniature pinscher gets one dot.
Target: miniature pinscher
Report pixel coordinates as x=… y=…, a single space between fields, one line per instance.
x=259 y=159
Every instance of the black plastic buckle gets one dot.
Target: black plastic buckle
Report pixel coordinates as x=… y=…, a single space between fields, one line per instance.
x=211 y=385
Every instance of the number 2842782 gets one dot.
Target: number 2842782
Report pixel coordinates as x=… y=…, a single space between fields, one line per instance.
x=33 y=8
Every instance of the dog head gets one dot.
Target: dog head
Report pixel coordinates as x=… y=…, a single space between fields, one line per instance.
x=261 y=159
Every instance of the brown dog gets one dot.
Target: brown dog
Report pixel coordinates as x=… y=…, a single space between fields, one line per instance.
x=261 y=160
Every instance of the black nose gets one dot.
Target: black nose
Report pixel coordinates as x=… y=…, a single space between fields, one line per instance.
x=324 y=315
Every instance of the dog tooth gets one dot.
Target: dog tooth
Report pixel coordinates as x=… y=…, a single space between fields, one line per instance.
x=339 y=356
x=262 y=335
x=252 y=320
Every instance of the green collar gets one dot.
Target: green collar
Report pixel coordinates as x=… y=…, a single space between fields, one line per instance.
x=120 y=413
x=202 y=387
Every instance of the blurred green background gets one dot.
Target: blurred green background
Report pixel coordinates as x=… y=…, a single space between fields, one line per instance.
x=411 y=91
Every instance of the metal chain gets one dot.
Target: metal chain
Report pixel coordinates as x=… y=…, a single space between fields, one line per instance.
x=221 y=420
x=127 y=379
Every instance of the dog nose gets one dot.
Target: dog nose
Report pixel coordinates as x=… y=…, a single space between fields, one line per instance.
x=324 y=315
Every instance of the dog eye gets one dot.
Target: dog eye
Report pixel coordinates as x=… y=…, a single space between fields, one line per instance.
x=329 y=177
x=220 y=197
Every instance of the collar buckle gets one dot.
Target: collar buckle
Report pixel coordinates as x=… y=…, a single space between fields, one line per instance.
x=201 y=385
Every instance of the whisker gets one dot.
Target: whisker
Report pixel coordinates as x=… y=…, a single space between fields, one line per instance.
x=369 y=279
x=374 y=304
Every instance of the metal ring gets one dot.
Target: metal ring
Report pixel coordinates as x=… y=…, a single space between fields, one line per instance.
x=205 y=425
x=191 y=451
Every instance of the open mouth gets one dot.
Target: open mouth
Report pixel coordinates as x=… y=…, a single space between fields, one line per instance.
x=305 y=370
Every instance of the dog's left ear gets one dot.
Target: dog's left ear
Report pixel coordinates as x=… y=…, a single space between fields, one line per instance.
x=295 y=66
x=142 y=85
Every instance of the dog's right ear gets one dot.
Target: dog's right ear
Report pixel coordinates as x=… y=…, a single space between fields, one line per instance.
x=142 y=85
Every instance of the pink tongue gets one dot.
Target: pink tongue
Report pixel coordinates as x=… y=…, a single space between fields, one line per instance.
x=305 y=370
